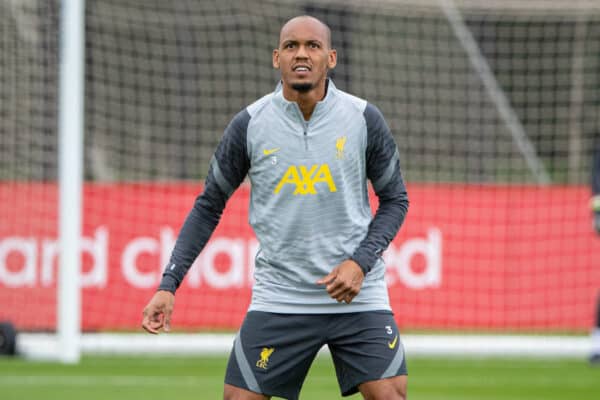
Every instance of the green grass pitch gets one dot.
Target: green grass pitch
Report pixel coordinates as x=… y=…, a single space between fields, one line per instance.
x=199 y=378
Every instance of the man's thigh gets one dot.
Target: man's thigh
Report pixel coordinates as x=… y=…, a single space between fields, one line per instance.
x=272 y=353
x=366 y=347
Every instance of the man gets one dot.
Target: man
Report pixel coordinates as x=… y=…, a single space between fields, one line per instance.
x=595 y=205
x=595 y=201
x=308 y=149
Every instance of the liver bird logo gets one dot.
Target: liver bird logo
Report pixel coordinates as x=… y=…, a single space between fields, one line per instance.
x=264 y=357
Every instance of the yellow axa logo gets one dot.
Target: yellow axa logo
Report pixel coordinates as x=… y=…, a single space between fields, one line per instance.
x=264 y=357
x=305 y=178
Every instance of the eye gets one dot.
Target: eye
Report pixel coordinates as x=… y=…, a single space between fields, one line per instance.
x=314 y=45
x=289 y=45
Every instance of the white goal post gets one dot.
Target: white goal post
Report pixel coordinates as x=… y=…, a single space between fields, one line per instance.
x=71 y=113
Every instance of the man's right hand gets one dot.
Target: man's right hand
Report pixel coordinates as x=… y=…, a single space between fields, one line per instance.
x=595 y=206
x=157 y=314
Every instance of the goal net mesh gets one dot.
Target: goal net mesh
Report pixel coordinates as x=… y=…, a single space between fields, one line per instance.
x=494 y=108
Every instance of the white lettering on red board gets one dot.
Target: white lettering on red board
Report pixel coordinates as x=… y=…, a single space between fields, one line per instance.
x=143 y=258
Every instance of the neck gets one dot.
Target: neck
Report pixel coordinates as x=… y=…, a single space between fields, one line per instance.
x=307 y=101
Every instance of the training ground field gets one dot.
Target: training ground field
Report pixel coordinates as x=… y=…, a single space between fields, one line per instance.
x=183 y=378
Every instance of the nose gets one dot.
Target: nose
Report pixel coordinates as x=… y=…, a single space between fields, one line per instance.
x=301 y=53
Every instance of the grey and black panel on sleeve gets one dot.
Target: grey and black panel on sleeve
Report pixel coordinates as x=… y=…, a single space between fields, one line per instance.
x=383 y=170
x=227 y=171
x=231 y=163
x=382 y=153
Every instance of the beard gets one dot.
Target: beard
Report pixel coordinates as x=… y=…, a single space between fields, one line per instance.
x=302 y=87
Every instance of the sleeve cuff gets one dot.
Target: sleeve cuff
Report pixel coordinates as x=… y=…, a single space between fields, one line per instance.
x=363 y=261
x=168 y=283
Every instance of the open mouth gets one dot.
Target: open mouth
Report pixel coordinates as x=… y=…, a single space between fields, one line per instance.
x=301 y=69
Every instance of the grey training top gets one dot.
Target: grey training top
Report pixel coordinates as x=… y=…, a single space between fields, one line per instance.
x=309 y=204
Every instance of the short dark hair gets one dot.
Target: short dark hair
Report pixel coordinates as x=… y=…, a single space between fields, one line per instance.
x=327 y=29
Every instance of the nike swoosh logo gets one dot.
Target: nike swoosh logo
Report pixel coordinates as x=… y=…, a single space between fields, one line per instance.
x=267 y=152
x=392 y=344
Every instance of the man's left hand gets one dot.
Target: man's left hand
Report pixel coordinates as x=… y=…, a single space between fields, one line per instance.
x=344 y=282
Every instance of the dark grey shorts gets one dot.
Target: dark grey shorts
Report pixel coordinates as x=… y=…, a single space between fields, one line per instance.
x=272 y=353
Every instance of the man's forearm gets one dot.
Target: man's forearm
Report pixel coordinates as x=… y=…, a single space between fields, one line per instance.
x=393 y=206
x=197 y=229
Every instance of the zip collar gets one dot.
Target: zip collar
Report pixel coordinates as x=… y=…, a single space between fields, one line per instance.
x=291 y=108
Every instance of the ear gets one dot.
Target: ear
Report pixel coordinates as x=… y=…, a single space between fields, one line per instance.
x=332 y=59
x=276 y=59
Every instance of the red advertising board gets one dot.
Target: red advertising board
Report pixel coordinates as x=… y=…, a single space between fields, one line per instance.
x=467 y=257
